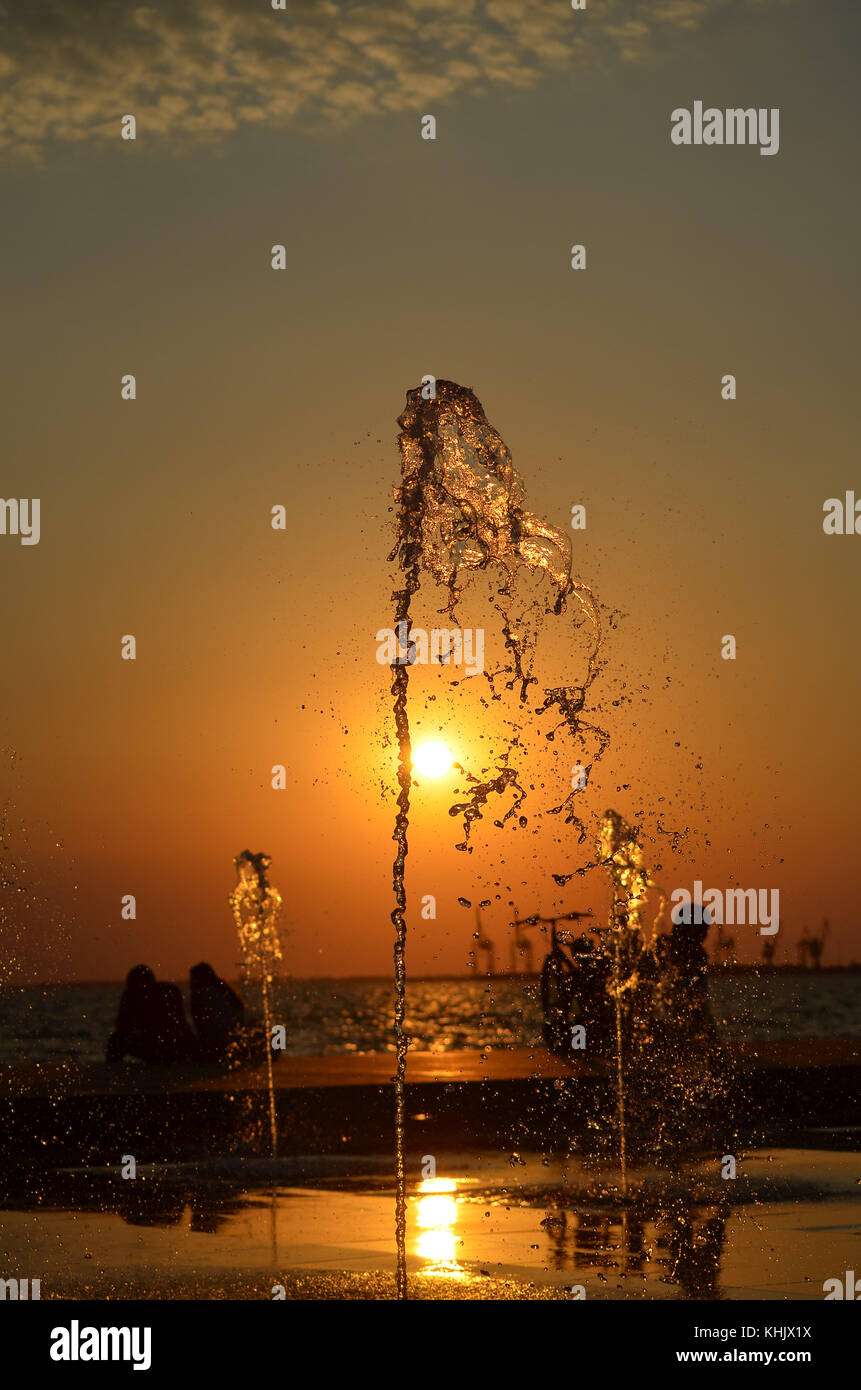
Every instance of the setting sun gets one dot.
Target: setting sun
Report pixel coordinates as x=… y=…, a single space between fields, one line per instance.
x=432 y=759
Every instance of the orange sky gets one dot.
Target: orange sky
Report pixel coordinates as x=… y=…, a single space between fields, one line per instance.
x=256 y=387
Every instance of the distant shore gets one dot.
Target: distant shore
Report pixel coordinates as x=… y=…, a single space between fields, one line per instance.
x=738 y=969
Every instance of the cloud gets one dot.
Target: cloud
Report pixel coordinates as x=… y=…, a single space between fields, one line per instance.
x=197 y=70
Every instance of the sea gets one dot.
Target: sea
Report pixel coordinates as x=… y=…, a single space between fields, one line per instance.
x=53 y=1023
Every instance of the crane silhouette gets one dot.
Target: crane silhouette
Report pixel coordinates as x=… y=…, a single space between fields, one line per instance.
x=802 y=947
x=816 y=945
x=484 y=943
x=724 y=947
x=521 y=957
x=556 y=937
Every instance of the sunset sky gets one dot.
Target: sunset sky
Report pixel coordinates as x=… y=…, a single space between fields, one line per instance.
x=258 y=387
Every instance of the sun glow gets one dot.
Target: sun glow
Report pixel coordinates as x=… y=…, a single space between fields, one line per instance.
x=436 y=1219
x=432 y=759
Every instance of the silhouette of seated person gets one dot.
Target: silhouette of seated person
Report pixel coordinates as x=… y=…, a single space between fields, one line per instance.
x=685 y=950
x=218 y=1015
x=151 y=1023
x=588 y=987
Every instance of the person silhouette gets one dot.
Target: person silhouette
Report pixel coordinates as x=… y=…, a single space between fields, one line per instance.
x=686 y=952
x=151 y=1023
x=217 y=1012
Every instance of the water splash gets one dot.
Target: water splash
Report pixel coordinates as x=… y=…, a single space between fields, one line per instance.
x=623 y=856
x=35 y=929
x=256 y=906
x=668 y=1060
x=460 y=513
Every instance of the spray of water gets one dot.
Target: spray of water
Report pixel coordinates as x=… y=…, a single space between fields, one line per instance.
x=35 y=926
x=459 y=513
x=256 y=906
x=622 y=854
x=675 y=1072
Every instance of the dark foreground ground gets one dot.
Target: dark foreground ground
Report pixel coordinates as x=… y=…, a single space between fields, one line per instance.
x=743 y=1178
x=776 y=1091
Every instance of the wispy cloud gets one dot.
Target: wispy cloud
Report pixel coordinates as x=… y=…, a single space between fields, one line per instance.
x=197 y=70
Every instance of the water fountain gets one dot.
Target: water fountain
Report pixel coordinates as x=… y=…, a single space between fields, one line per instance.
x=623 y=856
x=256 y=906
x=460 y=512
x=665 y=1037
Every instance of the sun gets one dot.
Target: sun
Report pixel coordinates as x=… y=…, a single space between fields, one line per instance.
x=432 y=759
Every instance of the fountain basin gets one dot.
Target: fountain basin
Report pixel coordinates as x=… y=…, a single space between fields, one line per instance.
x=343 y=1103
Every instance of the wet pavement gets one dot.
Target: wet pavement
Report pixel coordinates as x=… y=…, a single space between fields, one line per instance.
x=487 y=1226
